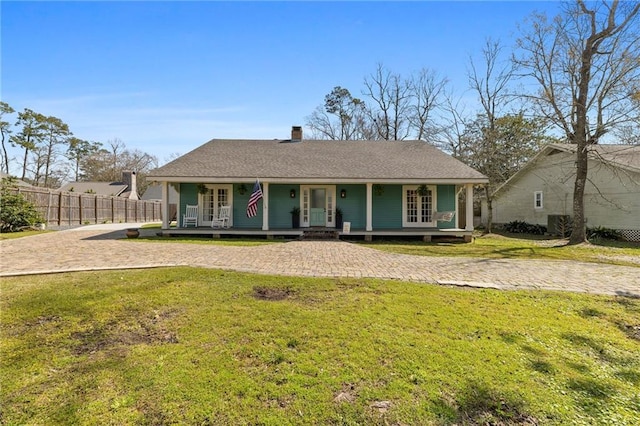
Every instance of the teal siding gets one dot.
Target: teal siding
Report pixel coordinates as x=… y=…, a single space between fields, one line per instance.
x=188 y=195
x=447 y=202
x=280 y=205
x=354 y=205
x=387 y=208
x=240 y=219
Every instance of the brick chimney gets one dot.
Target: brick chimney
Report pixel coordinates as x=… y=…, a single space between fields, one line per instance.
x=296 y=134
x=129 y=178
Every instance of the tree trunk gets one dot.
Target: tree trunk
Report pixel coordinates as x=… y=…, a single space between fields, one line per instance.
x=579 y=231
x=489 y=197
x=24 y=164
x=579 y=234
x=47 y=164
x=5 y=155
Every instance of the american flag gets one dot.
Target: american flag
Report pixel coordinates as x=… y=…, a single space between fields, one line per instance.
x=252 y=206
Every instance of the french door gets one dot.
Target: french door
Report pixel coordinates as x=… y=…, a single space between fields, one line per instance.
x=418 y=209
x=210 y=202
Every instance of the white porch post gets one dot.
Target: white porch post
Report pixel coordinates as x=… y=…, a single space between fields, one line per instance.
x=165 y=206
x=265 y=206
x=369 y=207
x=469 y=205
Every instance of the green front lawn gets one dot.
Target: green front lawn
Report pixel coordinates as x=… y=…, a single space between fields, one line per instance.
x=494 y=246
x=196 y=346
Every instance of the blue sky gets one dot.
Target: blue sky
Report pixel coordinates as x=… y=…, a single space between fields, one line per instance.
x=165 y=77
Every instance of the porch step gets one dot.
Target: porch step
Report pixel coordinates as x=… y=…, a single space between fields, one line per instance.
x=320 y=234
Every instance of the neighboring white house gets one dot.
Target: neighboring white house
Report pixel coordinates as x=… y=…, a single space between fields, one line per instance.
x=543 y=189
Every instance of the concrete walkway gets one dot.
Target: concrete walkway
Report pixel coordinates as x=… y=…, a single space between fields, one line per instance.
x=103 y=247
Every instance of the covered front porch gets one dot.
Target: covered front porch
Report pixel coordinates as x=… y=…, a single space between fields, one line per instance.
x=288 y=209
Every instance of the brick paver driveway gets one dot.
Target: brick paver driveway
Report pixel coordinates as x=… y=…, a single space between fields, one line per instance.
x=94 y=248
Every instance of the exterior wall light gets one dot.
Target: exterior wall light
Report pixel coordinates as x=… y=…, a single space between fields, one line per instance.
x=343 y=193
x=292 y=193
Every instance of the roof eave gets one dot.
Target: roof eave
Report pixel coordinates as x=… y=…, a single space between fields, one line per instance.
x=316 y=180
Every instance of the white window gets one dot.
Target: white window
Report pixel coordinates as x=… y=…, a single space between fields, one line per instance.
x=537 y=200
x=211 y=201
x=418 y=209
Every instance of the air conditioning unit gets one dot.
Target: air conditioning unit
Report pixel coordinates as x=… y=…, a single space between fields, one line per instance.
x=559 y=224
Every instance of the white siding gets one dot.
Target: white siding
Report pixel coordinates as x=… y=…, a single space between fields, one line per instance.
x=612 y=195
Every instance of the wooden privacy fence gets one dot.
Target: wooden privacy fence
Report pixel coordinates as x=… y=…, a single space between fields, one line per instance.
x=70 y=208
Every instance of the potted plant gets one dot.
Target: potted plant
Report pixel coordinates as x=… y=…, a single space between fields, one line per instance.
x=202 y=188
x=338 y=218
x=295 y=217
x=423 y=190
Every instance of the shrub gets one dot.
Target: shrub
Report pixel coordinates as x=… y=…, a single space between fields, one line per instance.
x=521 y=227
x=602 y=233
x=15 y=211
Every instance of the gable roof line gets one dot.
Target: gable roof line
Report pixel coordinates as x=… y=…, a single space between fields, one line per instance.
x=570 y=149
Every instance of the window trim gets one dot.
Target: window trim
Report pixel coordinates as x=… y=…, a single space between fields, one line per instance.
x=538 y=203
x=434 y=203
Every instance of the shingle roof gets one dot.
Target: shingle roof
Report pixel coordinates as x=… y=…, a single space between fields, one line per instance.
x=317 y=159
x=623 y=156
x=627 y=156
x=114 y=189
x=18 y=182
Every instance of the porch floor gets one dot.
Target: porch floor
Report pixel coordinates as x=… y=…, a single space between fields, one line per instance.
x=425 y=233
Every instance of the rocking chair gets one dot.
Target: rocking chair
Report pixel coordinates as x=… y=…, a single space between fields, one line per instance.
x=190 y=216
x=222 y=221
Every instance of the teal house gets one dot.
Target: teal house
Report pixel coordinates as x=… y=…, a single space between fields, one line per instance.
x=361 y=188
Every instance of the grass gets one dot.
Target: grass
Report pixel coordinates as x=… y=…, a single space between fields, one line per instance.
x=495 y=246
x=19 y=234
x=195 y=346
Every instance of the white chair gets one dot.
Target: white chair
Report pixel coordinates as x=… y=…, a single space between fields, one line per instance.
x=222 y=221
x=190 y=216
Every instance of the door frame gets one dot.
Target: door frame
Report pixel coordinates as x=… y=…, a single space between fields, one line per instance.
x=201 y=206
x=329 y=203
x=434 y=203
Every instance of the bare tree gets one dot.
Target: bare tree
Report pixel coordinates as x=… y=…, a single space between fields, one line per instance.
x=490 y=84
x=586 y=64
x=107 y=165
x=391 y=97
x=427 y=89
x=454 y=122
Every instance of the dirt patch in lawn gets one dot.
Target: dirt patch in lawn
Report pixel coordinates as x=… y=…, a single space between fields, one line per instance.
x=272 y=293
x=147 y=330
x=633 y=331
